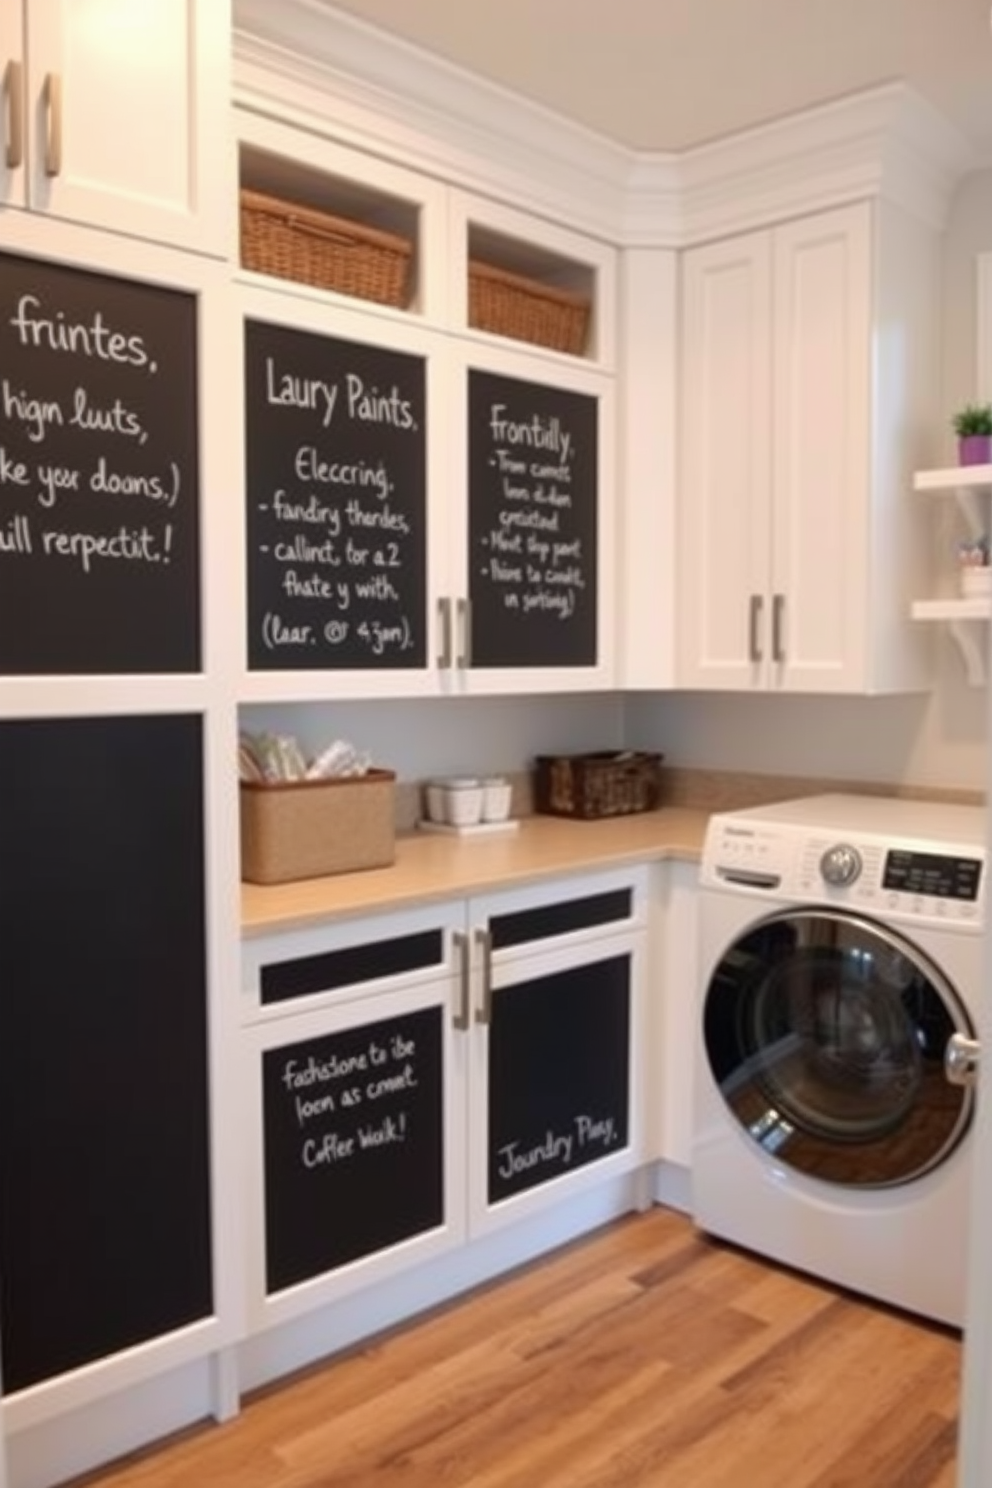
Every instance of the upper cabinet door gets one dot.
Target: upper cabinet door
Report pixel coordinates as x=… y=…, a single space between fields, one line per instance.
x=127 y=116
x=13 y=122
x=821 y=444
x=725 y=489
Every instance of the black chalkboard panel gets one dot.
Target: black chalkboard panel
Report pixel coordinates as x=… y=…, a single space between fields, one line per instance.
x=104 y=1183
x=354 y=1150
x=336 y=490
x=532 y=475
x=559 y=1074
x=99 y=524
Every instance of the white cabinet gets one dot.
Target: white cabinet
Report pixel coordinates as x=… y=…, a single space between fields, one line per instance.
x=117 y=115
x=427 y=1077
x=806 y=362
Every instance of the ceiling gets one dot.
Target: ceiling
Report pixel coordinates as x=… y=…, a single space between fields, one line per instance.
x=668 y=74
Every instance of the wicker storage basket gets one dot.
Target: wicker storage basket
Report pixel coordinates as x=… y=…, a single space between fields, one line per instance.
x=590 y=786
x=294 y=242
x=510 y=305
x=309 y=828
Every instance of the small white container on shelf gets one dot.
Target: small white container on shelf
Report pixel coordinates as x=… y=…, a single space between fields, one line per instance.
x=496 y=793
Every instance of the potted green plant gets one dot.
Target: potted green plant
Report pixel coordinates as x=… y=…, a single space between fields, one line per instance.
x=973 y=426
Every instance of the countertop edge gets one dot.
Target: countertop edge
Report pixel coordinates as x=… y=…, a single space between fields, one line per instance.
x=431 y=868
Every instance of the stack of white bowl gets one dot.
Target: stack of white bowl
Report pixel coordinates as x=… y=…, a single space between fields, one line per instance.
x=468 y=800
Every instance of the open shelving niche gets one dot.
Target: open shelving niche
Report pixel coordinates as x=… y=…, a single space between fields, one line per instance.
x=966 y=619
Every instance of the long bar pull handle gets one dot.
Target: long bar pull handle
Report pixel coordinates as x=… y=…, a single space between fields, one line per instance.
x=461 y=1019
x=778 y=609
x=755 y=605
x=444 y=618
x=53 y=112
x=14 y=88
x=484 y=1012
x=464 y=607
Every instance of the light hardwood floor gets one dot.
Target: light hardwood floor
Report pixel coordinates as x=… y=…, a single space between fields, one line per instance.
x=642 y=1355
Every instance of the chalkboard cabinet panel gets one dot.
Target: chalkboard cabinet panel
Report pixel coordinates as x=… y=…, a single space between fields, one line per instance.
x=99 y=474
x=360 y=1145
x=105 y=1229
x=130 y=136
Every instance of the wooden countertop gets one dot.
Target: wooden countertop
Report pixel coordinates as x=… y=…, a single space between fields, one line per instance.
x=430 y=867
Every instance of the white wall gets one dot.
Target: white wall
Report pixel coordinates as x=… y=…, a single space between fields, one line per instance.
x=444 y=736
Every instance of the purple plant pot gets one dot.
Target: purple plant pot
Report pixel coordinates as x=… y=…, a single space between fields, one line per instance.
x=975 y=449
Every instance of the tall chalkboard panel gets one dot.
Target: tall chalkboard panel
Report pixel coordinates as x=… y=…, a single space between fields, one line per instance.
x=99 y=521
x=336 y=489
x=354 y=1153
x=559 y=1074
x=532 y=475
x=104 y=1198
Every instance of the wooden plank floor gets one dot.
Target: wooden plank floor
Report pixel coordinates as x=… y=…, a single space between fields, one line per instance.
x=642 y=1355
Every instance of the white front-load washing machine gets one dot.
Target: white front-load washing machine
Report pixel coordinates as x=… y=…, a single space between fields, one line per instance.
x=841 y=946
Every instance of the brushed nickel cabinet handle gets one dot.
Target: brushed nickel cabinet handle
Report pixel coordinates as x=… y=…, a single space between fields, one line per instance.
x=460 y=1020
x=14 y=88
x=444 y=618
x=778 y=610
x=484 y=1012
x=53 y=114
x=755 y=606
x=464 y=608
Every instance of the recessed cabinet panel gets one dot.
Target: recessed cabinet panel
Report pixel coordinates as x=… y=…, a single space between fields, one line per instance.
x=559 y=1074
x=533 y=538
x=104 y=1183
x=354 y=1143
x=336 y=488
x=99 y=500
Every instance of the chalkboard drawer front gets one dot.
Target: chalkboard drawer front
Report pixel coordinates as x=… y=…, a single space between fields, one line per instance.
x=523 y=926
x=360 y=1155
x=352 y=965
x=331 y=965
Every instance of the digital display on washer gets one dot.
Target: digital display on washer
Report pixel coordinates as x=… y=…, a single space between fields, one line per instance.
x=934 y=874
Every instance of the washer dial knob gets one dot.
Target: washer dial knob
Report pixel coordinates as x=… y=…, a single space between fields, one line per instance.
x=840 y=865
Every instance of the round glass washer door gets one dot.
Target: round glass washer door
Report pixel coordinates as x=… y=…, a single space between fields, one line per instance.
x=825 y=1034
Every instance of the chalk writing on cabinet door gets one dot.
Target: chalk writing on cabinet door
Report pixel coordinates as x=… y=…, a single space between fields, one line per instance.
x=98 y=474
x=336 y=483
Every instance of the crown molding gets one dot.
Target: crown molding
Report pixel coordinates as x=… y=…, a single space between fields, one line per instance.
x=304 y=62
x=885 y=142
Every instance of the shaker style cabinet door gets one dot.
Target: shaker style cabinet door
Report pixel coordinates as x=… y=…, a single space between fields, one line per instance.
x=725 y=491
x=121 y=111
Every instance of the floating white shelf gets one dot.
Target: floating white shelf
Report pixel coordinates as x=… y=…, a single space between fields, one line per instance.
x=955 y=478
x=952 y=609
x=967 y=619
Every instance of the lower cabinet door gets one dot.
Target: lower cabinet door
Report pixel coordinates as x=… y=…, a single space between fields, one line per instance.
x=105 y=1237
x=555 y=1086
x=357 y=1119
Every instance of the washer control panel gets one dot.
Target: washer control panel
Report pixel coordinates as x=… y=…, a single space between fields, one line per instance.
x=782 y=861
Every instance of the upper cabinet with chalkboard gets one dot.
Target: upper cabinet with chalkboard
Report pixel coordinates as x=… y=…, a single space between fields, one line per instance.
x=99 y=474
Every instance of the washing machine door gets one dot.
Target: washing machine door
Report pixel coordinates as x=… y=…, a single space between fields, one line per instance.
x=825 y=1034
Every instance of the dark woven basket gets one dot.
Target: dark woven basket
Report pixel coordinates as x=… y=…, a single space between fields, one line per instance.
x=311 y=247
x=592 y=786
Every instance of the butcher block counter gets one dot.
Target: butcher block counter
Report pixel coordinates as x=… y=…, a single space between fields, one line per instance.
x=431 y=867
